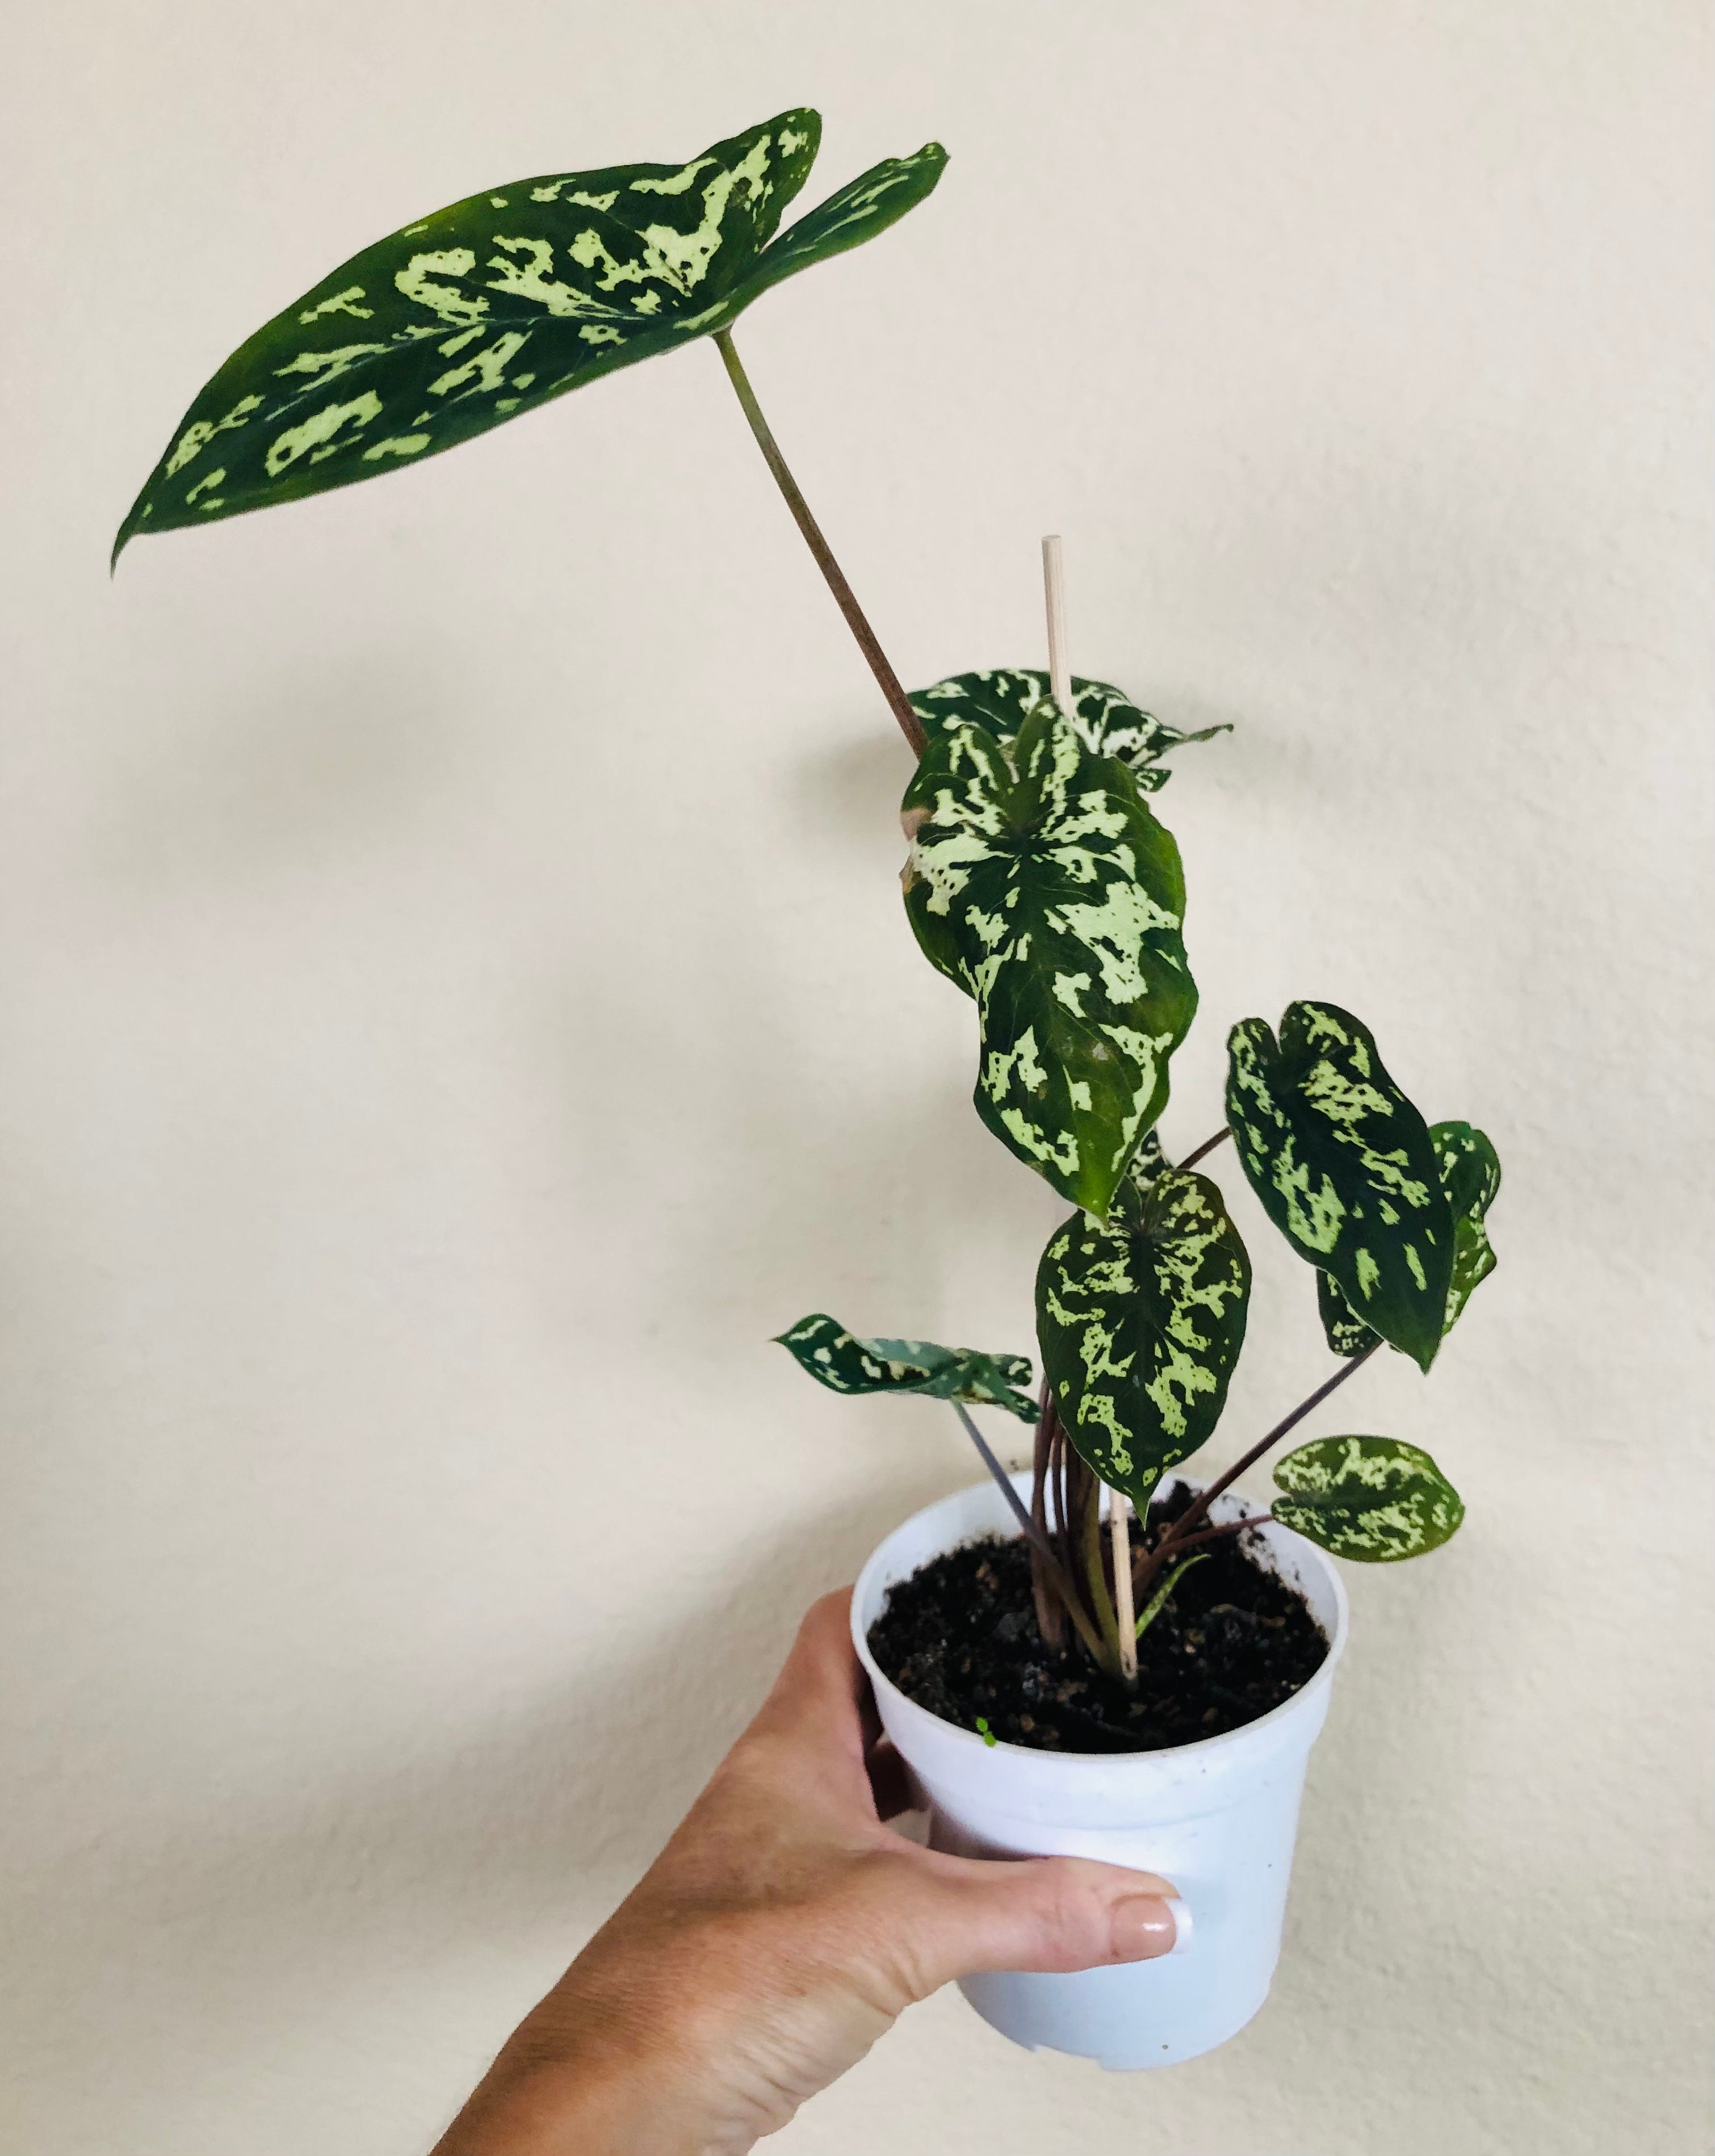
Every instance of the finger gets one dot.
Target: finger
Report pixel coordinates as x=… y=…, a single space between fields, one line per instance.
x=809 y=1732
x=822 y=1681
x=1049 y=1913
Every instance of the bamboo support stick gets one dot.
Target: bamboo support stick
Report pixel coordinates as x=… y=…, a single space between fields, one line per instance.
x=1119 y=1513
x=1059 y=662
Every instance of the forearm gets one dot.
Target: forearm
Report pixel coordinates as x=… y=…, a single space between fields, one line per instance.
x=629 y=2055
x=560 y=2089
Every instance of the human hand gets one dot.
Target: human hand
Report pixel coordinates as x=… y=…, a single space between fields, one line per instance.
x=780 y=1933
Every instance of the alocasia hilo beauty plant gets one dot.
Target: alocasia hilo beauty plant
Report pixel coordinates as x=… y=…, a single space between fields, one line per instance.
x=1040 y=882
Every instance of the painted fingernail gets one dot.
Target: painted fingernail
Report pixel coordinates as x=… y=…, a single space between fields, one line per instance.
x=1145 y=1929
x=1182 y=1930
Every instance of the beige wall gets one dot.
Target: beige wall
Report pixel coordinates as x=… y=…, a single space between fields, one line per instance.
x=457 y=1007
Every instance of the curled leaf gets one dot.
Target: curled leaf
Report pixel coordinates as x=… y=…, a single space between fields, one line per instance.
x=1344 y=1165
x=845 y=1363
x=1104 y=718
x=1470 y=1170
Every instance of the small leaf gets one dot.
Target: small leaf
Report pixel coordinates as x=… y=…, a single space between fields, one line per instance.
x=1040 y=882
x=1109 y=723
x=1147 y=1165
x=1140 y=1321
x=1470 y=1175
x=1374 y=1499
x=486 y=309
x=1158 y=1601
x=1346 y=1332
x=845 y=1363
x=1345 y=1167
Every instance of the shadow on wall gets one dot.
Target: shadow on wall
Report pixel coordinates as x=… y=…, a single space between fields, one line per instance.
x=785 y=1175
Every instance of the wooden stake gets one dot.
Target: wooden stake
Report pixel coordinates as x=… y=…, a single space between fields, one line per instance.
x=1119 y=1513
x=1059 y=664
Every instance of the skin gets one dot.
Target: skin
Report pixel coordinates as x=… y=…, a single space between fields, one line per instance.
x=781 y=1931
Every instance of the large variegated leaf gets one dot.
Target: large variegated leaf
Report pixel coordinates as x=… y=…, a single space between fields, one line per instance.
x=1470 y=1175
x=1105 y=720
x=844 y=1363
x=490 y=307
x=1140 y=1321
x=1040 y=882
x=1345 y=1167
x=1374 y=1499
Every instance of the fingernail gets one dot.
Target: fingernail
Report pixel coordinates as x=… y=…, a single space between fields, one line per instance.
x=1149 y=1925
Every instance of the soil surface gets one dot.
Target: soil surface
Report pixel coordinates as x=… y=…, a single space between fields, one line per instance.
x=959 y=1637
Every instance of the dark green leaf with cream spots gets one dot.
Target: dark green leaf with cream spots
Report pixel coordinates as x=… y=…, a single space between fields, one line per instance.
x=1140 y=1322
x=1105 y=720
x=1040 y=882
x=1345 y=1167
x=845 y=1363
x=1374 y=1499
x=1470 y=1175
x=498 y=303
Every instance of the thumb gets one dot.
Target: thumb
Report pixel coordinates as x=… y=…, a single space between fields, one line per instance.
x=1045 y=1913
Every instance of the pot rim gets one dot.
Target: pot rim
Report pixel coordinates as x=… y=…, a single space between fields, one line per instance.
x=1202 y=1747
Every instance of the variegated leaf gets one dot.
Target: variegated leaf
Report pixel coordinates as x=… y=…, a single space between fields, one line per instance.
x=844 y=1363
x=1147 y=1164
x=486 y=309
x=1346 y=1332
x=1373 y=1499
x=1140 y=1321
x=1470 y=1175
x=1344 y=1167
x=1040 y=882
x=1000 y=699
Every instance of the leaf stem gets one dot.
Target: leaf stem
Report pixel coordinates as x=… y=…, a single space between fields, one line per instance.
x=910 y=725
x=1004 y=1482
x=1208 y=1145
x=1226 y=1527
x=1178 y=1536
x=1039 y=1543
x=1051 y=1614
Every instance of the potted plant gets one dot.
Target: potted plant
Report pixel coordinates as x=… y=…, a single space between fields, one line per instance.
x=1096 y=1656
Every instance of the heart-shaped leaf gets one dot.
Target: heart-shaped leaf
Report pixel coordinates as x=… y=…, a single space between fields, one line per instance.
x=1040 y=882
x=1470 y=1175
x=1345 y=1167
x=1105 y=719
x=1374 y=1499
x=844 y=1363
x=1140 y=1321
x=484 y=310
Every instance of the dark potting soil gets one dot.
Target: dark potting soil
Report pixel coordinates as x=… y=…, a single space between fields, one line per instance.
x=959 y=1637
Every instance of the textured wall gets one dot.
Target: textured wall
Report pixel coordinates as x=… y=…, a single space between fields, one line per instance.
x=457 y=1006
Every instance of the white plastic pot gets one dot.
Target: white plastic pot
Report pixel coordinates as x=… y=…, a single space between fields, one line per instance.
x=1218 y=1818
